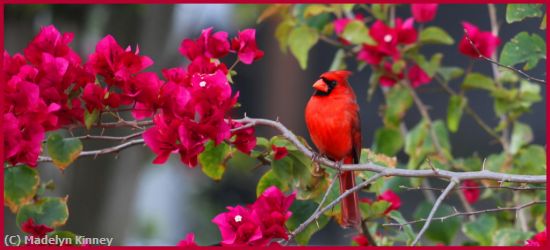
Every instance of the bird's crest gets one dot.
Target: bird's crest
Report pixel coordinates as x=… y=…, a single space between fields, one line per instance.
x=338 y=75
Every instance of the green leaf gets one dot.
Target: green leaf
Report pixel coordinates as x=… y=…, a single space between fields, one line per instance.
x=65 y=235
x=521 y=135
x=309 y=182
x=496 y=162
x=347 y=7
x=263 y=142
x=301 y=40
x=398 y=101
x=543 y=23
x=281 y=141
x=283 y=168
x=213 y=158
x=450 y=73
x=396 y=215
x=478 y=81
x=431 y=66
x=270 y=179
x=530 y=160
x=374 y=210
x=339 y=61
x=301 y=211
x=481 y=230
x=442 y=135
x=63 y=151
x=413 y=142
x=295 y=169
x=472 y=163
x=50 y=211
x=317 y=22
x=316 y=9
x=516 y=101
x=357 y=33
x=282 y=33
x=374 y=80
x=20 y=186
x=435 y=35
x=508 y=76
x=398 y=66
x=524 y=48
x=90 y=118
x=454 y=111
x=387 y=141
x=439 y=231
x=529 y=92
x=380 y=11
x=378 y=208
x=510 y=237
x=518 y=12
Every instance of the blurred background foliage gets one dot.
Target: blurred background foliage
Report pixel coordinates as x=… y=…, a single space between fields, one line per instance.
x=137 y=203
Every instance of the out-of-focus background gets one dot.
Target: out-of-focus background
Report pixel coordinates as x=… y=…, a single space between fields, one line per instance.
x=139 y=203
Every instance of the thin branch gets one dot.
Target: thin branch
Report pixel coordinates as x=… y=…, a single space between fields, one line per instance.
x=434 y=209
x=494 y=62
x=471 y=112
x=118 y=124
x=465 y=204
x=367 y=234
x=330 y=41
x=373 y=167
x=103 y=151
x=318 y=214
x=494 y=30
x=479 y=187
x=326 y=194
x=424 y=112
x=233 y=65
x=442 y=218
x=109 y=138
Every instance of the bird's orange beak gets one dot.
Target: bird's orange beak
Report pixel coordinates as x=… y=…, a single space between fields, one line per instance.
x=320 y=85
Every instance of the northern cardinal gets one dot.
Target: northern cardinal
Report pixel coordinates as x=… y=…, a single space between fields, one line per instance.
x=332 y=118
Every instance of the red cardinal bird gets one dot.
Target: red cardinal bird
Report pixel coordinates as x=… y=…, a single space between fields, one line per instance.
x=332 y=118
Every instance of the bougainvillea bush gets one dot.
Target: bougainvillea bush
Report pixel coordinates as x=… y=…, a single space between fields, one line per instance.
x=186 y=113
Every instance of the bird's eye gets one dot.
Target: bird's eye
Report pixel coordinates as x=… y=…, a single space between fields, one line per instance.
x=330 y=83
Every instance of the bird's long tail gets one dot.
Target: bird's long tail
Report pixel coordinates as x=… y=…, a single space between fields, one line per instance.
x=351 y=216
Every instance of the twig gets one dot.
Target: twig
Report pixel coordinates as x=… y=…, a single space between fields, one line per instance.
x=521 y=217
x=427 y=191
x=434 y=209
x=109 y=138
x=495 y=63
x=471 y=112
x=424 y=112
x=479 y=187
x=316 y=215
x=330 y=41
x=103 y=151
x=470 y=213
x=233 y=65
x=326 y=194
x=465 y=204
x=366 y=233
x=119 y=124
x=370 y=166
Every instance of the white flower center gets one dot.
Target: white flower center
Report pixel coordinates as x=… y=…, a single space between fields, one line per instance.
x=388 y=38
x=202 y=84
x=238 y=218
